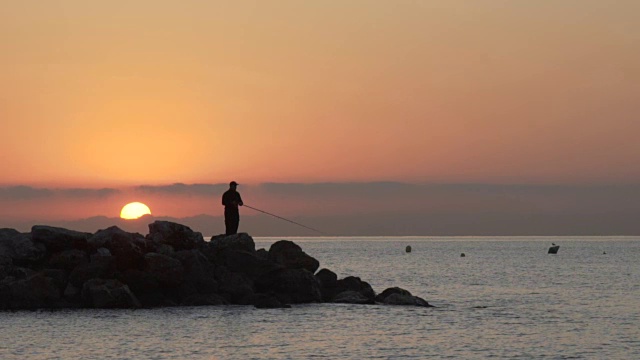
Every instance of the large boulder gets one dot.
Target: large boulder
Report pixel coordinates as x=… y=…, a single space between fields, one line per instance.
x=72 y=293
x=6 y=264
x=58 y=239
x=127 y=251
x=144 y=286
x=389 y=291
x=234 y=286
x=102 y=237
x=179 y=236
x=34 y=292
x=68 y=259
x=247 y=263
x=328 y=281
x=19 y=273
x=290 y=255
x=352 y=283
x=168 y=271
x=327 y=278
x=291 y=285
x=399 y=296
x=238 y=242
x=199 y=272
x=20 y=248
x=59 y=277
x=108 y=294
x=351 y=297
x=99 y=267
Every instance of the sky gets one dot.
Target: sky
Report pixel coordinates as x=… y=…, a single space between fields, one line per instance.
x=100 y=99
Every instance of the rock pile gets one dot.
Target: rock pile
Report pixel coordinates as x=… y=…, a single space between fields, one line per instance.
x=171 y=266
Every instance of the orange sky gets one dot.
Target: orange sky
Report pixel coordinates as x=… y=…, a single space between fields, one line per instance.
x=115 y=93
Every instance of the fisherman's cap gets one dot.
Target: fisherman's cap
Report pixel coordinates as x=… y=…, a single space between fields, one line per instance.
x=233 y=183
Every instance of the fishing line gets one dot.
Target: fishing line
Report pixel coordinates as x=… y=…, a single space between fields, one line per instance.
x=280 y=217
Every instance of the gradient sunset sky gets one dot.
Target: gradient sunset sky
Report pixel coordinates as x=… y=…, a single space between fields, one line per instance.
x=118 y=94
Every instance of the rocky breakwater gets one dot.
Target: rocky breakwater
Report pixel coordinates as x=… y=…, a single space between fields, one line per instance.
x=55 y=268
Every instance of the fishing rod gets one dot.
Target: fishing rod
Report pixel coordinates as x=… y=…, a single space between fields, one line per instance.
x=280 y=217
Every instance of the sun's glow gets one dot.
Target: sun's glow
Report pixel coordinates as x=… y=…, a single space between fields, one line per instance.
x=134 y=210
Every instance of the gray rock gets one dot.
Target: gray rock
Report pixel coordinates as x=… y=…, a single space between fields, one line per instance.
x=262 y=254
x=145 y=287
x=290 y=255
x=58 y=239
x=246 y=263
x=100 y=238
x=165 y=249
x=199 y=272
x=21 y=272
x=71 y=292
x=127 y=251
x=107 y=294
x=100 y=267
x=20 y=248
x=6 y=264
x=291 y=286
x=168 y=271
x=389 y=291
x=355 y=284
x=68 y=259
x=59 y=277
x=399 y=296
x=327 y=278
x=34 y=292
x=233 y=286
x=328 y=281
x=179 y=236
x=351 y=297
x=400 y=299
x=239 y=242
x=100 y=252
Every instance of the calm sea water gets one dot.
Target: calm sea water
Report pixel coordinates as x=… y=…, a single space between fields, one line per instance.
x=506 y=299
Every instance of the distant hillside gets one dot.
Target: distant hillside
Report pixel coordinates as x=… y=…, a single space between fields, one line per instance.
x=382 y=224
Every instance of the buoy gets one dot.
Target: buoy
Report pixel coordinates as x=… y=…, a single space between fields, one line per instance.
x=553 y=249
x=408 y=248
x=462 y=255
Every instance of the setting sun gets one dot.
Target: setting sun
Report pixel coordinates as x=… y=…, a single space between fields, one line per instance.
x=134 y=210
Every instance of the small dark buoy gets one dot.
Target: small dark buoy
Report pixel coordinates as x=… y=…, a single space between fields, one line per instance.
x=554 y=249
x=408 y=248
x=462 y=255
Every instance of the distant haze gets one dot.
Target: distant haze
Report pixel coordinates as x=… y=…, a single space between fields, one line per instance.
x=379 y=208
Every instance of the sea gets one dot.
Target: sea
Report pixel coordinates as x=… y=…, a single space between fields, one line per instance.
x=505 y=299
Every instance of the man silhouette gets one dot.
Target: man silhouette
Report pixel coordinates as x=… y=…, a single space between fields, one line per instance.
x=231 y=200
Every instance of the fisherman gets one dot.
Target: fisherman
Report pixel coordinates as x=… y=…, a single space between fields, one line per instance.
x=231 y=200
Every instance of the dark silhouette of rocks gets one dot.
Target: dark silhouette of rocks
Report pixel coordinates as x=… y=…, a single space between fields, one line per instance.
x=53 y=268
x=290 y=255
x=398 y=296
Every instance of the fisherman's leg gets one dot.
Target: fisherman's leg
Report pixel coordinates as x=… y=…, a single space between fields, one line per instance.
x=231 y=219
x=235 y=224
x=228 y=224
